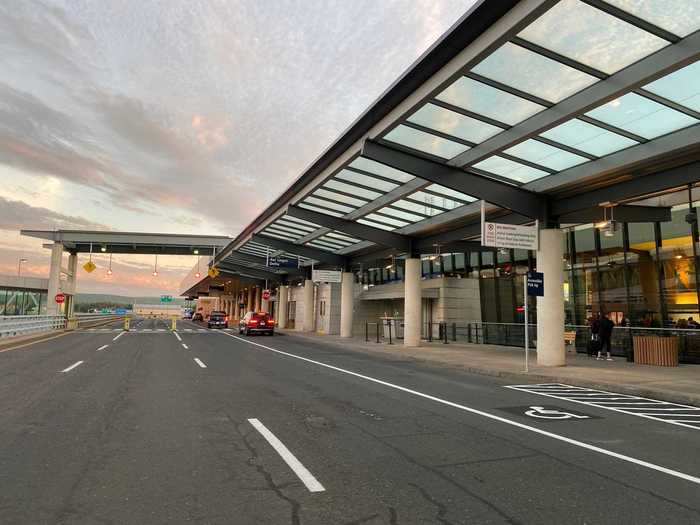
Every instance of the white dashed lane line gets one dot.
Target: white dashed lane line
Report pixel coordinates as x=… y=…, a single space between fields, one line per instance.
x=199 y=362
x=71 y=367
x=102 y=347
x=118 y=336
x=185 y=346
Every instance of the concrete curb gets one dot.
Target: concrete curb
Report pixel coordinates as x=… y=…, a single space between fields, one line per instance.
x=530 y=377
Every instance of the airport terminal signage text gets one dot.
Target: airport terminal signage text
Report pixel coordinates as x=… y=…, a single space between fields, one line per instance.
x=327 y=276
x=499 y=235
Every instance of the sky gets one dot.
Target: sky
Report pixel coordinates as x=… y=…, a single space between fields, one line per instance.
x=185 y=116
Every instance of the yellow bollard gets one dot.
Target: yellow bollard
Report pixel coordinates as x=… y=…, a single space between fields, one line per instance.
x=126 y=324
x=173 y=326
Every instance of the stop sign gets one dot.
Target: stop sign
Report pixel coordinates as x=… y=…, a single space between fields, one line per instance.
x=266 y=295
x=60 y=298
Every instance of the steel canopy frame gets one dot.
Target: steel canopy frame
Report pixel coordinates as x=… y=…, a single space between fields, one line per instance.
x=298 y=249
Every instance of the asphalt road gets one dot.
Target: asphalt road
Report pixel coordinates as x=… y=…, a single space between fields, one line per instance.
x=210 y=427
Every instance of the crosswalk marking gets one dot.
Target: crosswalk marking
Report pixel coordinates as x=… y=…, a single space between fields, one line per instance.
x=664 y=411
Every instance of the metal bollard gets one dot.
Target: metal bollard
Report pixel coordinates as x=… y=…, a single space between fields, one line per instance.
x=430 y=332
x=377 y=333
x=389 y=325
x=454 y=332
x=173 y=324
x=126 y=324
x=444 y=333
x=366 y=332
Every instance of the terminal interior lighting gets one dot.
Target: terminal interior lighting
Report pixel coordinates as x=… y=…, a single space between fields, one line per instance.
x=103 y=249
x=196 y=252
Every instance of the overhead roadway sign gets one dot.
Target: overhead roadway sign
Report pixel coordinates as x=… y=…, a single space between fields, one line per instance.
x=327 y=276
x=166 y=298
x=498 y=235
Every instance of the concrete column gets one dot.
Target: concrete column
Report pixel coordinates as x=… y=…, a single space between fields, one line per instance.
x=258 y=298
x=308 y=325
x=250 y=305
x=412 y=302
x=347 y=304
x=282 y=305
x=551 y=350
x=54 y=278
x=72 y=283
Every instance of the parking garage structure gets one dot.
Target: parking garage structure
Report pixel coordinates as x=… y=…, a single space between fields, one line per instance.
x=578 y=116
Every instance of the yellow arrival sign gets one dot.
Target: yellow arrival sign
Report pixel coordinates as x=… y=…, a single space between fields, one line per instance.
x=89 y=267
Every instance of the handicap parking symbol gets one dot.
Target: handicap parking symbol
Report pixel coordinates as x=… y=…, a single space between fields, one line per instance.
x=549 y=413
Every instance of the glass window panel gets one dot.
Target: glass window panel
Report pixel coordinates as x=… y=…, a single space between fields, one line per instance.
x=682 y=86
x=354 y=190
x=532 y=73
x=434 y=200
x=437 y=188
x=455 y=124
x=641 y=116
x=426 y=142
x=388 y=220
x=590 y=36
x=372 y=166
x=301 y=222
x=352 y=201
x=376 y=224
x=488 y=101
x=329 y=204
x=402 y=214
x=680 y=17
x=587 y=137
x=414 y=206
x=510 y=169
x=545 y=155
x=320 y=210
x=366 y=180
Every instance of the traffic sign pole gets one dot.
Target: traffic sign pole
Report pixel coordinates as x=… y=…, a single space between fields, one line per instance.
x=527 y=339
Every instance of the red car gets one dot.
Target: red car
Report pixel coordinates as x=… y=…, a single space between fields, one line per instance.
x=256 y=323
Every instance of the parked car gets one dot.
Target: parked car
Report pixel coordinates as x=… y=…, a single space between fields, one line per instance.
x=188 y=314
x=217 y=319
x=197 y=316
x=256 y=323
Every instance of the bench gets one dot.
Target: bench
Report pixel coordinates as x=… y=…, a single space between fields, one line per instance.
x=570 y=338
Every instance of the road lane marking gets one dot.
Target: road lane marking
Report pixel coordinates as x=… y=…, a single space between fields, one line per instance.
x=494 y=417
x=178 y=336
x=185 y=346
x=297 y=467
x=199 y=362
x=102 y=347
x=71 y=367
x=118 y=336
x=625 y=404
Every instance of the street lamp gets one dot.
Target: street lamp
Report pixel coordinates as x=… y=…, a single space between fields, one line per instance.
x=19 y=266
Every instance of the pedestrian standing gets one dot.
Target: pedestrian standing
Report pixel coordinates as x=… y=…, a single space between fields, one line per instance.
x=605 y=333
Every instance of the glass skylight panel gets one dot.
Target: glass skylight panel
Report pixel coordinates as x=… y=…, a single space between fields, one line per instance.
x=329 y=204
x=510 y=169
x=353 y=190
x=301 y=223
x=366 y=180
x=361 y=163
x=321 y=246
x=285 y=231
x=641 y=116
x=320 y=210
x=341 y=236
x=545 y=155
x=331 y=245
x=449 y=192
x=387 y=220
x=381 y=226
x=435 y=200
x=352 y=201
x=452 y=123
x=589 y=138
x=588 y=35
x=411 y=217
x=294 y=226
x=532 y=73
x=488 y=101
x=682 y=86
x=419 y=208
x=680 y=17
x=275 y=235
x=334 y=241
x=426 y=142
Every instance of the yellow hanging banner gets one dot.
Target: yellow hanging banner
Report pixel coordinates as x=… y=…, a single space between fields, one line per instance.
x=89 y=267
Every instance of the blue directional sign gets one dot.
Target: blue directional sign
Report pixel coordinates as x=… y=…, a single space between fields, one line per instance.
x=535 y=284
x=120 y=311
x=282 y=262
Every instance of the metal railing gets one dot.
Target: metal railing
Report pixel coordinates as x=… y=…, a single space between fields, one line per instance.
x=15 y=325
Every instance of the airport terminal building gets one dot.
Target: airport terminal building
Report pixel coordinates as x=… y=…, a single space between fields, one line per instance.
x=579 y=118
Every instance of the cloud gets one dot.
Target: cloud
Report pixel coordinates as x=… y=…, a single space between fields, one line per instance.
x=18 y=215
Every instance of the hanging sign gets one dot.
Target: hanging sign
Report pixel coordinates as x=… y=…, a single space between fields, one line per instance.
x=327 y=276
x=282 y=262
x=499 y=235
x=89 y=267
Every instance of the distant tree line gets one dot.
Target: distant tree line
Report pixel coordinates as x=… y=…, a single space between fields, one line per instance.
x=87 y=307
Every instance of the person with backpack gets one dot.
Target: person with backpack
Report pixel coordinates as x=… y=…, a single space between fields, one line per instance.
x=605 y=333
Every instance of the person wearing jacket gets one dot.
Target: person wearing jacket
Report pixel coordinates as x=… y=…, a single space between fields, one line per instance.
x=605 y=332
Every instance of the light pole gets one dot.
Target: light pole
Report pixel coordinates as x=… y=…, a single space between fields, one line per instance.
x=19 y=267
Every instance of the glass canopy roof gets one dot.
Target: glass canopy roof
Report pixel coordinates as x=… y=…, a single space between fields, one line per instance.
x=567 y=49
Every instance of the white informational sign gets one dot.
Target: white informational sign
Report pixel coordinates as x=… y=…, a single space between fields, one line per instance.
x=499 y=235
x=327 y=276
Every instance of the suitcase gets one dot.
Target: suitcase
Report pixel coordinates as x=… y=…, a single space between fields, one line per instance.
x=594 y=346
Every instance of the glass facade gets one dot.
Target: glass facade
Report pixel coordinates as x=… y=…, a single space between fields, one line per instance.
x=22 y=302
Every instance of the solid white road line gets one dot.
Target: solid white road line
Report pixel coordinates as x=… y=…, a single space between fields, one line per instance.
x=300 y=470
x=185 y=346
x=178 y=336
x=102 y=347
x=71 y=367
x=494 y=417
x=118 y=336
x=199 y=362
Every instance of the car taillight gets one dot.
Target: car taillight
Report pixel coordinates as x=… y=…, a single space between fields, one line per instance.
x=253 y=322
x=270 y=321
x=226 y=320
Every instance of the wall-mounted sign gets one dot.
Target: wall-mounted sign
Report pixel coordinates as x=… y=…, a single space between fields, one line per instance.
x=327 y=276
x=60 y=298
